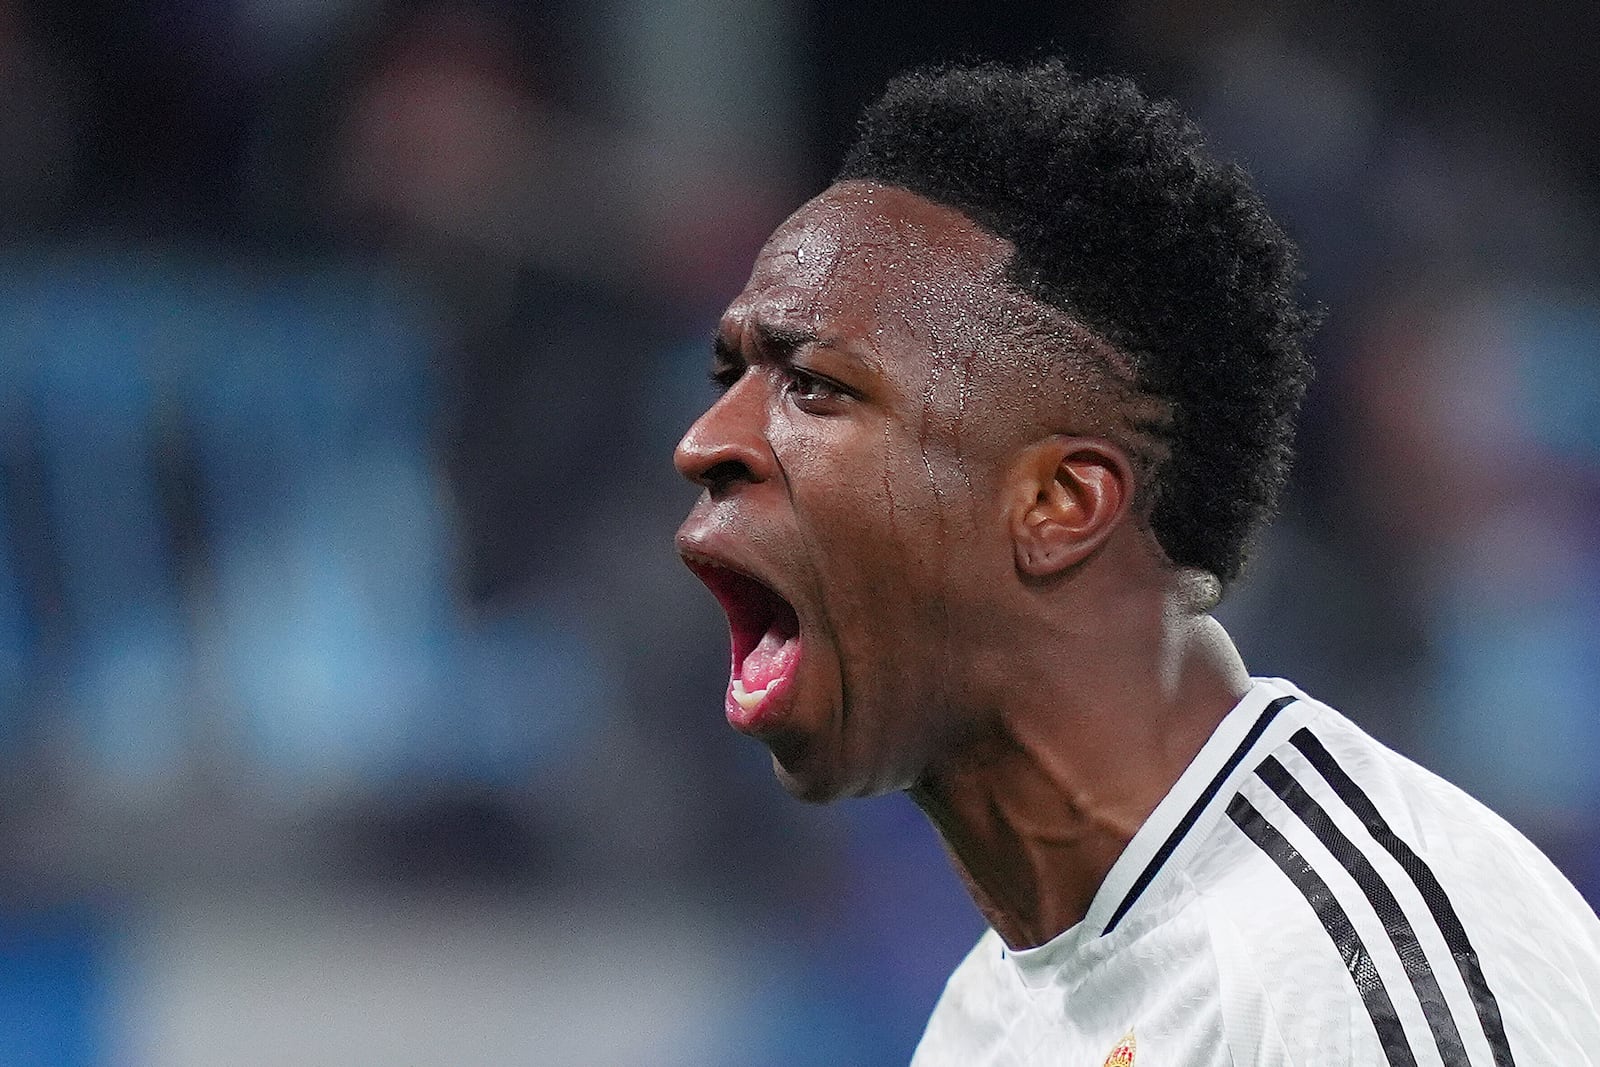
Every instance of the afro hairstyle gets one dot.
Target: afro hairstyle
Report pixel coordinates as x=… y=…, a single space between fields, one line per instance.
x=1122 y=221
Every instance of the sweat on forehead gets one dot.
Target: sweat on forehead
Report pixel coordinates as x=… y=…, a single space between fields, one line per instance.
x=887 y=269
x=924 y=241
x=867 y=219
x=861 y=254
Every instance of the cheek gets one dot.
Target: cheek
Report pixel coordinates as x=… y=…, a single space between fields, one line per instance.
x=895 y=544
x=896 y=513
x=862 y=491
x=905 y=499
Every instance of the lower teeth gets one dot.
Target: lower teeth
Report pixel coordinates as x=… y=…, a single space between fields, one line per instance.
x=747 y=700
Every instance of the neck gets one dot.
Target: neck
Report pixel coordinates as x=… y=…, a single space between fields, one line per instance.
x=1035 y=812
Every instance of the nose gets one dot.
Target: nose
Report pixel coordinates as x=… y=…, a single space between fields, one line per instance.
x=727 y=445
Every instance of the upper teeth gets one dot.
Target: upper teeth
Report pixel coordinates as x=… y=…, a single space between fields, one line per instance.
x=747 y=700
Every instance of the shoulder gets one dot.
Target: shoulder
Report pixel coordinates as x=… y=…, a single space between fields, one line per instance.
x=1361 y=909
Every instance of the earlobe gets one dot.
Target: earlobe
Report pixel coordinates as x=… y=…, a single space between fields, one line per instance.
x=1072 y=492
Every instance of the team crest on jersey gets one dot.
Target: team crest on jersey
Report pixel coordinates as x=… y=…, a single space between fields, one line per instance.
x=1122 y=1055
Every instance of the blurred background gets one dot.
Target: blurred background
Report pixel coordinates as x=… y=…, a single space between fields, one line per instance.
x=354 y=708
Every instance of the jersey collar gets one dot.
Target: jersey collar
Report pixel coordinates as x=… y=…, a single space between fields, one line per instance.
x=1268 y=713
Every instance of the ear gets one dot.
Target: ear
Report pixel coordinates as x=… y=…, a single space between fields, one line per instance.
x=1070 y=494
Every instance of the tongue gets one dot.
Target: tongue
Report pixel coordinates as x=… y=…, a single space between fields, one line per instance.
x=770 y=660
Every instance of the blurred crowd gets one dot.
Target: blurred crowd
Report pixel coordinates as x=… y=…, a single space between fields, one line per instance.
x=343 y=346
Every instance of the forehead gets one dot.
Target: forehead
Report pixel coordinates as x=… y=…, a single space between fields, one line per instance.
x=871 y=259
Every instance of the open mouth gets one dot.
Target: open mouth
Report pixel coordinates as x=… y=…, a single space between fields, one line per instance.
x=765 y=634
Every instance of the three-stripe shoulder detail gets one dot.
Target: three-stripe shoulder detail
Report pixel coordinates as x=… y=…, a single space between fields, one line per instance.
x=1380 y=896
x=1427 y=884
x=1336 y=921
x=1186 y=823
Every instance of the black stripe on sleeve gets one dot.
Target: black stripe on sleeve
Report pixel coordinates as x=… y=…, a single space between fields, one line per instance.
x=1382 y=898
x=1455 y=935
x=1391 y=1035
x=1146 y=876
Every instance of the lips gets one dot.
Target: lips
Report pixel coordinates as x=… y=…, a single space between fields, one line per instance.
x=765 y=635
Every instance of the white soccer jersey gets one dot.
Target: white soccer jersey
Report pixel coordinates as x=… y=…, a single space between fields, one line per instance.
x=1302 y=896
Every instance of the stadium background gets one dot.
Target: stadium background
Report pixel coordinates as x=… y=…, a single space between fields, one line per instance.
x=353 y=707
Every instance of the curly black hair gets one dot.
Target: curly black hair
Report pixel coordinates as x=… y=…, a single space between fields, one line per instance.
x=1121 y=220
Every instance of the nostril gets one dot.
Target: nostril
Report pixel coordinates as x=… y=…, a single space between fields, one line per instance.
x=720 y=475
x=727 y=445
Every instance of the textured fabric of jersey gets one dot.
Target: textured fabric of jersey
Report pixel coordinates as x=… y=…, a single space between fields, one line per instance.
x=1302 y=896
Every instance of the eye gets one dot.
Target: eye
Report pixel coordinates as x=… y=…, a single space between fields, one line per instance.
x=814 y=393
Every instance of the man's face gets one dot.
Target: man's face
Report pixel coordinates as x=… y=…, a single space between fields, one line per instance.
x=853 y=521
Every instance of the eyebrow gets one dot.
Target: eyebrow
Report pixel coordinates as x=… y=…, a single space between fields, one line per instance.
x=782 y=341
x=779 y=343
x=774 y=341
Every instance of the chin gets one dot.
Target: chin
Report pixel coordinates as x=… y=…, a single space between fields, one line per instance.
x=806 y=784
x=821 y=767
x=813 y=784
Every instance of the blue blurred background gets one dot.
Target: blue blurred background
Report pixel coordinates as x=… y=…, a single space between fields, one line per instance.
x=353 y=706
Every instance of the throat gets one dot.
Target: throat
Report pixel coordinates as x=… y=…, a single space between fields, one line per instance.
x=1031 y=850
